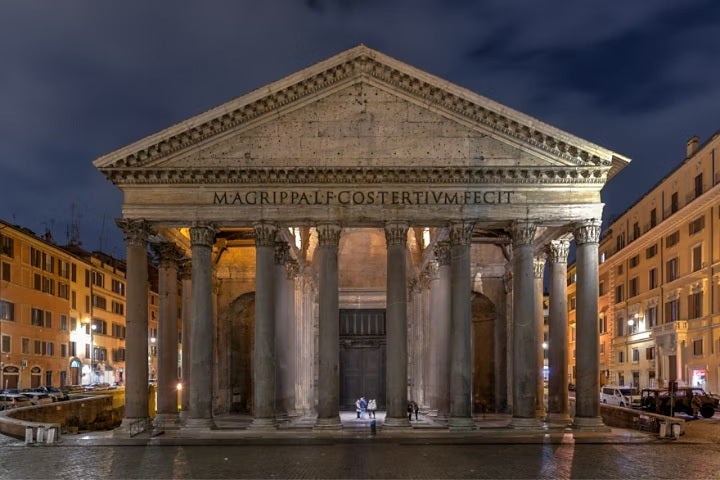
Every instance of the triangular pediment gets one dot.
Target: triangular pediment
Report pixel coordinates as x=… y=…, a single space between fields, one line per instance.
x=361 y=109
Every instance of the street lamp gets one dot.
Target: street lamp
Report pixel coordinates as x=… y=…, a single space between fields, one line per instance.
x=93 y=327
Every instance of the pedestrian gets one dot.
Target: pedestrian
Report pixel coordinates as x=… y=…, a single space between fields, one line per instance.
x=363 y=407
x=412 y=408
x=696 y=404
x=372 y=406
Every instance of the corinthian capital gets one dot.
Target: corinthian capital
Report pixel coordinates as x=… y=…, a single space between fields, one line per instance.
x=523 y=233
x=538 y=266
x=461 y=233
x=329 y=234
x=282 y=250
x=558 y=250
x=396 y=233
x=442 y=253
x=203 y=235
x=587 y=231
x=168 y=253
x=265 y=234
x=136 y=231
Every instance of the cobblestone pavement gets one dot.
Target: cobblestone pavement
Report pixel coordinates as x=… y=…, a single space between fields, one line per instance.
x=410 y=454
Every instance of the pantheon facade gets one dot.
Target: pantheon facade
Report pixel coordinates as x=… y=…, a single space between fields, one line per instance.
x=362 y=228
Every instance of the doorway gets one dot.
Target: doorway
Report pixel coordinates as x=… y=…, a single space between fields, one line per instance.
x=362 y=356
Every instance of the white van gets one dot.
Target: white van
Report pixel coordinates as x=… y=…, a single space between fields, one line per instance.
x=620 y=396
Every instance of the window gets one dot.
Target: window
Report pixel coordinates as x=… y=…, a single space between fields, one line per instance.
x=620 y=241
x=696 y=225
x=7 y=310
x=99 y=302
x=620 y=293
x=6 y=344
x=620 y=327
x=37 y=317
x=653 y=217
x=25 y=346
x=64 y=269
x=73 y=273
x=672 y=239
x=37 y=350
x=601 y=289
x=7 y=246
x=672 y=311
x=633 y=326
x=63 y=350
x=695 y=301
x=73 y=349
x=73 y=300
x=621 y=357
x=698 y=185
x=697 y=347
x=100 y=326
x=674 y=203
x=651 y=317
x=98 y=278
x=634 y=261
x=48 y=319
x=651 y=251
x=573 y=303
x=620 y=269
x=652 y=278
x=35 y=257
x=118 y=307
x=63 y=290
x=118 y=287
x=650 y=353
x=5 y=272
x=671 y=269
x=697 y=262
x=635 y=355
x=634 y=287
x=602 y=324
x=636 y=230
x=63 y=323
x=602 y=348
x=50 y=349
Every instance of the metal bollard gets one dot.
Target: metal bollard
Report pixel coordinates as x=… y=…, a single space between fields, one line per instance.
x=28 y=435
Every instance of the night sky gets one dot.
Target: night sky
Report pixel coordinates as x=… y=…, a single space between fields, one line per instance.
x=79 y=79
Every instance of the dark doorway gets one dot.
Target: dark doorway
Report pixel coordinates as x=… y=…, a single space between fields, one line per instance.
x=362 y=356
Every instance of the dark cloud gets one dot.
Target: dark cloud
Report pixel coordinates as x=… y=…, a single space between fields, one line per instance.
x=80 y=79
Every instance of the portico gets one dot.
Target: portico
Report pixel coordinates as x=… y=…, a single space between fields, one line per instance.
x=361 y=183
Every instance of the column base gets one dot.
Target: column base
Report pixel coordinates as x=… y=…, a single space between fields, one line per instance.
x=197 y=424
x=590 y=424
x=559 y=419
x=461 y=424
x=333 y=423
x=520 y=423
x=265 y=424
x=166 y=421
x=129 y=427
x=394 y=422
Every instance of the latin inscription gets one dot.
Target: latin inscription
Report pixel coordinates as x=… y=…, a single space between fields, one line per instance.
x=363 y=197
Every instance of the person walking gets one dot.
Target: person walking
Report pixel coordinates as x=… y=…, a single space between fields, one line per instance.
x=371 y=407
x=696 y=405
x=363 y=407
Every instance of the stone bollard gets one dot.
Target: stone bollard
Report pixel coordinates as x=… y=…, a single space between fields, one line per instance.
x=40 y=434
x=28 y=435
x=51 y=434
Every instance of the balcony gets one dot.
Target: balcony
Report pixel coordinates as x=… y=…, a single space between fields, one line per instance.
x=680 y=326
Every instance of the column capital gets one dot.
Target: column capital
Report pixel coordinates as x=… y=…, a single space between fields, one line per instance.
x=329 y=234
x=461 y=233
x=538 y=267
x=282 y=252
x=168 y=253
x=396 y=233
x=442 y=253
x=587 y=231
x=522 y=233
x=557 y=251
x=433 y=270
x=265 y=234
x=136 y=231
x=202 y=234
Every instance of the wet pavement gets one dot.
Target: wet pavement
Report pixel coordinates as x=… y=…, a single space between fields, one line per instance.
x=424 y=451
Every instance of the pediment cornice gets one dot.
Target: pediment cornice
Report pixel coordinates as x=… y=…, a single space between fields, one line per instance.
x=360 y=175
x=362 y=64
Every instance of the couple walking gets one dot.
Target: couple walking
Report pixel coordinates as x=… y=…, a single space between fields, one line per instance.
x=362 y=406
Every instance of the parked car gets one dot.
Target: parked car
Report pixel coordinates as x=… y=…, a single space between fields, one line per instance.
x=37 y=398
x=620 y=395
x=13 y=400
x=659 y=400
x=68 y=389
x=55 y=393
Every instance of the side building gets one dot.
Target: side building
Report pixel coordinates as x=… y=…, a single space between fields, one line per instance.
x=659 y=281
x=62 y=313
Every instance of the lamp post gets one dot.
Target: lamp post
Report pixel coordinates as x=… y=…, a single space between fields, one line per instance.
x=93 y=375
